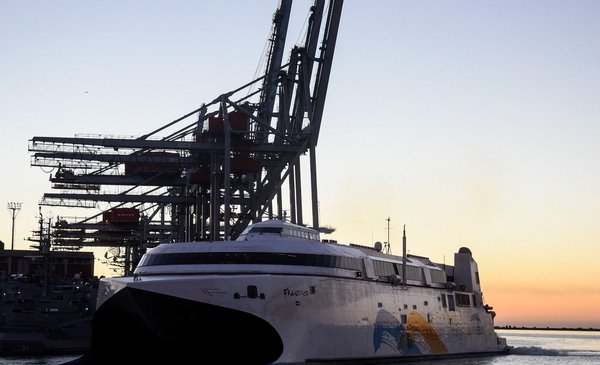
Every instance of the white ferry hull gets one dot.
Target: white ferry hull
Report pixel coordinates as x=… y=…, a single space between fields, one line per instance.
x=279 y=295
x=285 y=319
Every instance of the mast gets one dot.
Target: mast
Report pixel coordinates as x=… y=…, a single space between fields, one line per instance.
x=404 y=256
x=387 y=244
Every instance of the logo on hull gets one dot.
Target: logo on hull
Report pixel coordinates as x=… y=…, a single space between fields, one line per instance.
x=415 y=337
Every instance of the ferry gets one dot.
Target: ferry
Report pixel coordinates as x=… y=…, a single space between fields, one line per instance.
x=278 y=294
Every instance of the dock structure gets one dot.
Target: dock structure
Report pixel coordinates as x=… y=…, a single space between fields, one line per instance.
x=208 y=174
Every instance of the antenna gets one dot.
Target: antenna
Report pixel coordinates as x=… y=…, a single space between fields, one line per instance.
x=387 y=243
x=404 y=256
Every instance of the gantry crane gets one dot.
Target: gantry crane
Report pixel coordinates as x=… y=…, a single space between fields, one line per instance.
x=208 y=174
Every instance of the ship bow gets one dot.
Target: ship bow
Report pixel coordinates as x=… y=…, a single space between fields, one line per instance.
x=142 y=326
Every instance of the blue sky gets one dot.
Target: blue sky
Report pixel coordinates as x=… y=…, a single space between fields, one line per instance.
x=472 y=122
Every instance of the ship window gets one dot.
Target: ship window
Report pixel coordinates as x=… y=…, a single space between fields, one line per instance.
x=261 y=230
x=284 y=231
x=444 y=305
x=438 y=276
x=252 y=291
x=462 y=300
x=384 y=268
x=414 y=273
x=251 y=258
x=403 y=318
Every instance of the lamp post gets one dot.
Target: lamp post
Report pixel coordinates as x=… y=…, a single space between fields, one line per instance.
x=15 y=207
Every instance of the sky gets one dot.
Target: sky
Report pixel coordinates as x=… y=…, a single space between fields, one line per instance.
x=472 y=123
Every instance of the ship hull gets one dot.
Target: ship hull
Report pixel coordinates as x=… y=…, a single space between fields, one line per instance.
x=35 y=321
x=263 y=319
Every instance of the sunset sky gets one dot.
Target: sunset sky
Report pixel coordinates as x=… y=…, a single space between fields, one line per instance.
x=473 y=123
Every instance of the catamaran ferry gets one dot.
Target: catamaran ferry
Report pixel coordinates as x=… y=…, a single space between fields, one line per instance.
x=278 y=294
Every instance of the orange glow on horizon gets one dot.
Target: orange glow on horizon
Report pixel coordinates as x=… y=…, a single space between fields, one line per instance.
x=544 y=307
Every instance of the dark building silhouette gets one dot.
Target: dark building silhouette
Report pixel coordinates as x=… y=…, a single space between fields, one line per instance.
x=61 y=264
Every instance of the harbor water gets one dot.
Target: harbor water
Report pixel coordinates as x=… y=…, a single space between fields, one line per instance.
x=531 y=347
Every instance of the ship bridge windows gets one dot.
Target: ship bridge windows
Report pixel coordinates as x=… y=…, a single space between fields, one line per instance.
x=297 y=232
x=251 y=258
x=260 y=230
x=301 y=234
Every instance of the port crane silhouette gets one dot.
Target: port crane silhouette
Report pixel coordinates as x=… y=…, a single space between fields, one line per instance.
x=209 y=173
